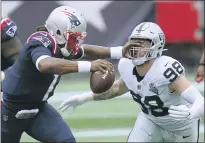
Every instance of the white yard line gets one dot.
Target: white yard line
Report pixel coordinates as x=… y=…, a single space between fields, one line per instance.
x=107 y=132
x=110 y=132
x=103 y=133
x=114 y=115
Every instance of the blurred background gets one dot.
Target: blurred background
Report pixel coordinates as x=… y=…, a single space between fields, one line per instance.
x=109 y=24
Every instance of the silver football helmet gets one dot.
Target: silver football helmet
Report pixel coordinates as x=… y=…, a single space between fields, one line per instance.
x=152 y=32
x=68 y=26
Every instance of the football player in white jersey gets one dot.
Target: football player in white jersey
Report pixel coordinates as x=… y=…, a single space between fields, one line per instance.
x=171 y=106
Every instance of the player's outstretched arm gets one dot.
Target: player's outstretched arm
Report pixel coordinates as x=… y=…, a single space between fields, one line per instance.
x=191 y=95
x=117 y=89
x=96 y=52
x=61 y=66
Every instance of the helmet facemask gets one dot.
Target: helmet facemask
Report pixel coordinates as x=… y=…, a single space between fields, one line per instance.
x=73 y=42
x=147 y=31
x=146 y=51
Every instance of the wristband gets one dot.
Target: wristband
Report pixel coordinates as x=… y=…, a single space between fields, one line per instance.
x=116 y=52
x=87 y=96
x=84 y=66
x=2 y=75
x=201 y=64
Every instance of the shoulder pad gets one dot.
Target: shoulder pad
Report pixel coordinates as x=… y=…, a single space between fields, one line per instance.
x=8 y=29
x=170 y=69
x=42 y=38
x=121 y=64
x=125 y=66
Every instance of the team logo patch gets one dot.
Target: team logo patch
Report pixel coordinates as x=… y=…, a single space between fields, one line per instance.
x=11 y=31
x=73 y=19
x=44 y=40
x=153 y=88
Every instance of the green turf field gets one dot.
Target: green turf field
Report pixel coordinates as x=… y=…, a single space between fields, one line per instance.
x=102 y=121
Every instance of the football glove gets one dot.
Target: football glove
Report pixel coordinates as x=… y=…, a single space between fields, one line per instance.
x=74 y=101
x=180 y=112
x=2 y=75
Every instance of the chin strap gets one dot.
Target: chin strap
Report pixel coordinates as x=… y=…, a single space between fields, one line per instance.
x=65 y=52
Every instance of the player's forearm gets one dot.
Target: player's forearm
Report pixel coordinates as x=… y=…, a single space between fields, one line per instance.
x=197 y=109
x=193 y=96
x=12 y=59
x=11 y=47
x=111 y=93
x=114 y=91
x=117 y=89
x=61 y=66
x=96 y=52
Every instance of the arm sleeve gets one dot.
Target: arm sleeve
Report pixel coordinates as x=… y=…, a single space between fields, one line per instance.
x=39 y=53
x=193 y=96
x=12 y=59
x=11 y=47
x=171 y=71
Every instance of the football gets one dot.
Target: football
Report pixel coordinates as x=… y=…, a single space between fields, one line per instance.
x=100 y=82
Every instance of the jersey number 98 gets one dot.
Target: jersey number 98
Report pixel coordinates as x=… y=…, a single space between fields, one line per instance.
x=151 y=103
x=171 y=74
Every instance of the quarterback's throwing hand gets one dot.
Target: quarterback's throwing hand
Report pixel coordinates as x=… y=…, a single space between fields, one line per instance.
x=101 y=65
x=180 y=112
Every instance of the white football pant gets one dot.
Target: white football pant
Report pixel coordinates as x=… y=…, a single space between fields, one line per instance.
x=145 y=130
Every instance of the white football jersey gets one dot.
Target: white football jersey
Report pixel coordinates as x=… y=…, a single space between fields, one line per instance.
x=152 y=92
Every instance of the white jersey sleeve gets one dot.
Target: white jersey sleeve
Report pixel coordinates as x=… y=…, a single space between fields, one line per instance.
x=125 y=68
x=170 y=70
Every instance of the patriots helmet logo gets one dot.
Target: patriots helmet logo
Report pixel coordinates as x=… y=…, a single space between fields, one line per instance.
x=73 y=19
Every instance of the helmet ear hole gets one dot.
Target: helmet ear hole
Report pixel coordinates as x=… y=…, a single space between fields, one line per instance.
x=58 y=32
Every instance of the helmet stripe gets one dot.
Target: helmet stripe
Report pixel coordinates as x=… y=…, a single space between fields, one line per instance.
x=141 y=26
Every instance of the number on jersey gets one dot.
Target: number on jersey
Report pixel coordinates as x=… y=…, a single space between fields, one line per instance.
x=152 y=103
x=51 y=87
x=172 y=73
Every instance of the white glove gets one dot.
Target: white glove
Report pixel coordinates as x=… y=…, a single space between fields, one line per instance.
x=2 y=75
x=75 y=101
x=180 y=112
